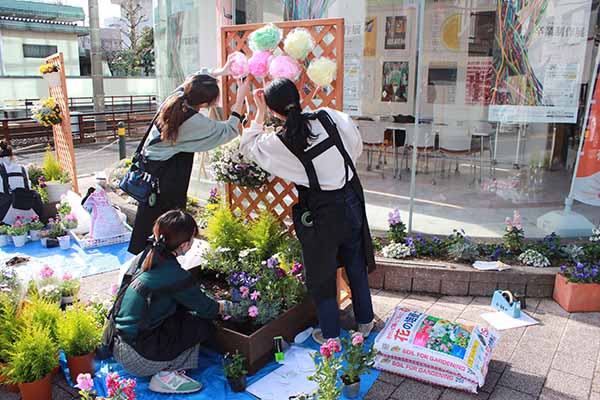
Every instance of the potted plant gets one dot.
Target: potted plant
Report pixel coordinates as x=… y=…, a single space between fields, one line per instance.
x=35 y=227
x=69 y=288
x=577 y=288
x=358 y=361
x=18 y=231
x=233 y=367
x=57 y=181
x=46 y=112
x=79 y=335
x=326 y=374
x=9 y=328
x=31 y=359
x=69 y=222
x=51 y=74
x=58 y=232
x=118 y=388
x=4 y=235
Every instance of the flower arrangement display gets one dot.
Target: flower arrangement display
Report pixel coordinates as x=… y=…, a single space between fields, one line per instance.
x=48 y=68
x=358 y=361
x=514 y=235
x=581 y=273
x=47 y=112
x=327 y=368
x=118 y=388
x=228 y=165
x=534 y=258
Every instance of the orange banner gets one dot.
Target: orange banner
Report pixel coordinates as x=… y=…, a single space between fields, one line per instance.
x=586 y=187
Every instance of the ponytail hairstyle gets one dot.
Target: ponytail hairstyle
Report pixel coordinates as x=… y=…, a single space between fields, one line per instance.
x=5 y=149
x=281 y=96
x=197 y=89
x=171 y=229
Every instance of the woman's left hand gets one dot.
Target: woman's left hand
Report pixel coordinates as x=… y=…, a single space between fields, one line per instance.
x=259 y=99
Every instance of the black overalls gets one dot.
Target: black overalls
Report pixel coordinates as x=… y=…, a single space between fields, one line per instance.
x=324 y=223
x=173 y=180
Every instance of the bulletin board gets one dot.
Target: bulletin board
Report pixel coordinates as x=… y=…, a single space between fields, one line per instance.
x=63 y=137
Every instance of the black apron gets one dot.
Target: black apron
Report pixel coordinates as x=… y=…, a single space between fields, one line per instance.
x=173 y=180
x=320 y=217
x=23 y=198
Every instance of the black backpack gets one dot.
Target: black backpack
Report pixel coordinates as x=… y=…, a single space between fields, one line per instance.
x=23 y=198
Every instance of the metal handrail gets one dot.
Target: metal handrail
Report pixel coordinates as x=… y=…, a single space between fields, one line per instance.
x=109 y=101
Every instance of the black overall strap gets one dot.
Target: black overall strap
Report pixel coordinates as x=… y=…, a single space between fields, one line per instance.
x=25 y=180
x=332 y=131
x=4 y=175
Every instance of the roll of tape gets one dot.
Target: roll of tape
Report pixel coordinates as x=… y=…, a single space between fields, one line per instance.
x=507 y=294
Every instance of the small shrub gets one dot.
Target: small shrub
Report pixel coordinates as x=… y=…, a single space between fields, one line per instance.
x=233 y=365
x=461 y=248
x=227 y=231
x=42 y=313
x=34 y=172
x=266 y=234
x=10 y=325
x=79 y=333
x=51 y=168
x=32 y=356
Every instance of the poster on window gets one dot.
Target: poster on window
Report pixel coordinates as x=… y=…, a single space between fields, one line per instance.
x=353 y=46
x=395 y=33
x=538 y=61
x=478 y=81
x=394 y=82
x=586 y=187
x=370 y=37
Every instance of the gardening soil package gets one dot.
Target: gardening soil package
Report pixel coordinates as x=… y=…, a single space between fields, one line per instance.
x=435 y=350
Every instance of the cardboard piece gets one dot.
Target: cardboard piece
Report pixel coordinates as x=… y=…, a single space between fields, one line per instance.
x=503 y=321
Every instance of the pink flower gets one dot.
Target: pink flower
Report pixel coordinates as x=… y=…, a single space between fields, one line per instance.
x=333 y=345
x=67 y=276
x=46 y=272
x=508 y=222
x=19 y=218
x=325 y=352
x=70 y=217
x=357 y=339
x=85 y=382
x=114 y=289
x=255 y=295
x=253 y=311
x=244 y=291
x=297 y=268
x=226 y=317
x=112 y=383
x=34 y=218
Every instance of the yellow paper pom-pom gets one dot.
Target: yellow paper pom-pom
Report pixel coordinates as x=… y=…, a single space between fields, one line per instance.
x=298 y=43
x=322 y=71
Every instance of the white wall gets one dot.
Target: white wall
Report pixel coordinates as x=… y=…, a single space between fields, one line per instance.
x=12 y=88
x=16 y=64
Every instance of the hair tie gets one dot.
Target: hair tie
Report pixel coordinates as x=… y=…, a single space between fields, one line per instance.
x=290 y=106
x=159 y=244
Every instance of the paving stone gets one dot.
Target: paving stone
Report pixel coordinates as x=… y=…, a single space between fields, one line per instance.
x=496 y=365
x=575 y=364
x=397 y=282
x=536 y=362
x=423 y=285
x=504 y=393
x=568 y=385
x=548 y=394
x=6 y=395
x=450 y=394
x=595 y=396
x=539 y=290
x=411 y=390
x=444 y=312
x=522 y=381
x=550 y=307
x=596 y=380
x=455 y=302
x=380 y=391
x=390 y=378
x=384 y=302
x=482 y=288
x=455 y=288
x=592 y=319
x=491 y=380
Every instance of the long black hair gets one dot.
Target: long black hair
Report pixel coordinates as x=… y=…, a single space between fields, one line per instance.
x=197 y=89
x=281 y=96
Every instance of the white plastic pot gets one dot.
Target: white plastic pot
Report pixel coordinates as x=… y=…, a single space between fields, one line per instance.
x=19 y=241
x=35 y=235
x=64 y=242
x=56 y=190
x=3 y=240
x=53 y=79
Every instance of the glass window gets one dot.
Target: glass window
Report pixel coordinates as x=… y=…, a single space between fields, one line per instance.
x=38 y=50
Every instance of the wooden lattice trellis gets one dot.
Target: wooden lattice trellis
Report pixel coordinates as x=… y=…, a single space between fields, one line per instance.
x=279 y=196
x=63 y=137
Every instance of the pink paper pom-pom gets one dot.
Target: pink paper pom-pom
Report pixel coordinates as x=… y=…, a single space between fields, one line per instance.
x=239 y=64
x=259 y=63
x=284 y=67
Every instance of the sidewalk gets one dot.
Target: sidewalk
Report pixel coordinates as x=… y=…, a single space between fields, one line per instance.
x=556 y=360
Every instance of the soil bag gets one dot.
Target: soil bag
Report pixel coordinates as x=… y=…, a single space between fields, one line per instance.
x=435 y=350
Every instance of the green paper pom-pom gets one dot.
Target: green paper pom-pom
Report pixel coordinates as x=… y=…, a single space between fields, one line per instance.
x=265 y=38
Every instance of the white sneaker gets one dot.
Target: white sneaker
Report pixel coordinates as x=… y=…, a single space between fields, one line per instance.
x=170 y=382
x=365 y=329
x=317 y=335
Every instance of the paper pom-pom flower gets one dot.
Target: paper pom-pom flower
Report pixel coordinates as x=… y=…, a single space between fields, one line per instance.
x=259 y=63
x=298 y=43
x=322 y=71
x=265 y=38
x=239 y=64
x=284 y=67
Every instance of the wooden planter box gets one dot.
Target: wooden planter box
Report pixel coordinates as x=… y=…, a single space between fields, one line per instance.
x=258 y=347
x=576 y=297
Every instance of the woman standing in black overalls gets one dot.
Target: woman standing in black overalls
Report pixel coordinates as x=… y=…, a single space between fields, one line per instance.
x=318 y=153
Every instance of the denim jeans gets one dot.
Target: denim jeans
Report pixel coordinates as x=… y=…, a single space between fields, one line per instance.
x=352 y=252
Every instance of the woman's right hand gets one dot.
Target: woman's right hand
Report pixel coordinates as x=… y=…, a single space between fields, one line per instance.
x=243 y=88
x=259 y=100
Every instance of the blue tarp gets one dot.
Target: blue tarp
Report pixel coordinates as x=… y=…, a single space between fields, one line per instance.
x=210 y=373
x=78 y=262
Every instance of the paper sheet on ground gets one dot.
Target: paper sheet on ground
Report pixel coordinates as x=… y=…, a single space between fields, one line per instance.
x=289 y=379
x=503 y=321
x=490 y=265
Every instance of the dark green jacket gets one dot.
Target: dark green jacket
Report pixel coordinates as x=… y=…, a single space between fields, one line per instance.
x=165 y=273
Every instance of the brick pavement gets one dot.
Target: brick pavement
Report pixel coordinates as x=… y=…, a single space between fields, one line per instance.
x=556 y=360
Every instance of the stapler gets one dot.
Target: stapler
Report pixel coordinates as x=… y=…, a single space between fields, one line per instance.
x=509 y=303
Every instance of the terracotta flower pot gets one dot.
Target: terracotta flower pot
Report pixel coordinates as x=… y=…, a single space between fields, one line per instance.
x=38 y=390
x=81 y=365
x=576 y=297
x=4 y=382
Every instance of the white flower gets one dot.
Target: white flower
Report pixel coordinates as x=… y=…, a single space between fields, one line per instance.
x=595 y=235
x=534 y=258
x=247 y=252
x=396 y=250
x=222 y=249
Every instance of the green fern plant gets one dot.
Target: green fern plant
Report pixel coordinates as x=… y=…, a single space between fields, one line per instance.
x=9 y=325
x=225 y=230
x=266 y=234
x=32 y=356
x=78 y=332
x=42 y=313
x=51 y=167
